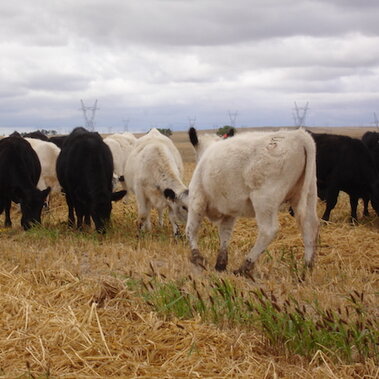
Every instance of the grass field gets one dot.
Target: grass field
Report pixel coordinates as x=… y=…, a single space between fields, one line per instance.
x=80 y=304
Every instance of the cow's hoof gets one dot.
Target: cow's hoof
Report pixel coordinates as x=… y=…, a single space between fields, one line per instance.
x=197 y=259
x=245 y=269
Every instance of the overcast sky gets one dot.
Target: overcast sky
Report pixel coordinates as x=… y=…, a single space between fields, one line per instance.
x=161 y=63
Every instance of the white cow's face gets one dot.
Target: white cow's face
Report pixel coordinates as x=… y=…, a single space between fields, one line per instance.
x=178 y=204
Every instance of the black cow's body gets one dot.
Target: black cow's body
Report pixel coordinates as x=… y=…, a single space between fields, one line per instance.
x=20 y=170
x=37 y=135
x=85 y=172
x=345 y=164
x=371 y=141
x=58 y=140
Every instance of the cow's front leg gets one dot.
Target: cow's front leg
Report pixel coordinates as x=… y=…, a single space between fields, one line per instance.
x=7 y=207
x=192 y=229
x=225 y=229
x=144 y=209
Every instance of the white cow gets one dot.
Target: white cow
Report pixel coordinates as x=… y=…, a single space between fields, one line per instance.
x=47 y=153
x=121 y=145
x=154 y=173
x=251 y=175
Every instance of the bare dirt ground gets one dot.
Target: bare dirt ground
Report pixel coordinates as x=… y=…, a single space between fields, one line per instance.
x=69 y=309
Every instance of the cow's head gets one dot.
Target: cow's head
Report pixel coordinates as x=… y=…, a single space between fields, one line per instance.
x=101 y=212
x=32 y=202
x=201 y=143
x=178 y=203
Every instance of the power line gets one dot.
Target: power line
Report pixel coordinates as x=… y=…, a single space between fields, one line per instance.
x=89 y=120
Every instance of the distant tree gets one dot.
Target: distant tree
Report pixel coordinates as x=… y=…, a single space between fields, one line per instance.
x=226 y=130
x=166 y=132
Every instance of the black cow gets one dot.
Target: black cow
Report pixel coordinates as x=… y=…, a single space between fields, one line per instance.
x=371 y=141
x=58 y=140
x=20 y=170
x=37 y=135
x=345 y=164
x=85 y=172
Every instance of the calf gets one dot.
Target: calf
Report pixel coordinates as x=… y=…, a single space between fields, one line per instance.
x=344 y=164
x=85 y=170
x=251 y=175
x=20 y=170
x=154 y=173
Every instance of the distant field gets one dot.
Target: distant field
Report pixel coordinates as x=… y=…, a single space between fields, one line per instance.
x=78 y=304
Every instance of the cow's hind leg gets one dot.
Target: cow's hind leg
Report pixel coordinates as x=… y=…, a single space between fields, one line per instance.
x=144 y=209
x=71 y=216
x=353 y=206
x=225 y=229
x=309 y=227
x=331 y=201
x=267 y=222
x=192 y=228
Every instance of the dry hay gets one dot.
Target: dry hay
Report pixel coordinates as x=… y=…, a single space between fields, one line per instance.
x=67 y=310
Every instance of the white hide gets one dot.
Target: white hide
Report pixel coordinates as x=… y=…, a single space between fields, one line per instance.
x=251 y=175
x=121 y=145
x=47 y=154
x=153 y=166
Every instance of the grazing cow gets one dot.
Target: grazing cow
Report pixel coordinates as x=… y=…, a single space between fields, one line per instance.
x=154 y=173
x=344 y=164
x=371 y=141
x=206 y=140
x=37 y=135
x=85 y=169
x=47 y=154
x=251 y=175
x=20 y=170
x=58 y=140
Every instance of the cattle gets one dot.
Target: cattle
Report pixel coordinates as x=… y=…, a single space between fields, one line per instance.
x=344 y=164
x=20 y=170
x=371 y=141
x=58 y=140
x=154 y=172
x=47 y=153
x=37 y=135
x=85 y=169
x=251 y=175
x=206 y=140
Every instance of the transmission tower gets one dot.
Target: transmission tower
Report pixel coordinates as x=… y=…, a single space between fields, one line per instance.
x=233 y=118
x=126 y=124
x=89 y=121
x=376 y=122
x=300 y=115
x=192 y=122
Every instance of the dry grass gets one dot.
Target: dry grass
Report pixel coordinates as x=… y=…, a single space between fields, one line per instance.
x=67 y=309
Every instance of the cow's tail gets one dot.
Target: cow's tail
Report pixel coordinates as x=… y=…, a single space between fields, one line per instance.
x=309 y=188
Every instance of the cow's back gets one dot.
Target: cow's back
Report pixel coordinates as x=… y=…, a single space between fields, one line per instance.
x=85 y=162
x=19 y=164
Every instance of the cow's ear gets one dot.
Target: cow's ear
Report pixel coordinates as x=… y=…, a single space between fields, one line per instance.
x=169 y=194
x=116 y=196
x=193 y=136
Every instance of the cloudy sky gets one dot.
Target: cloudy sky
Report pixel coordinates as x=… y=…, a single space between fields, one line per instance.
x=165 y=63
